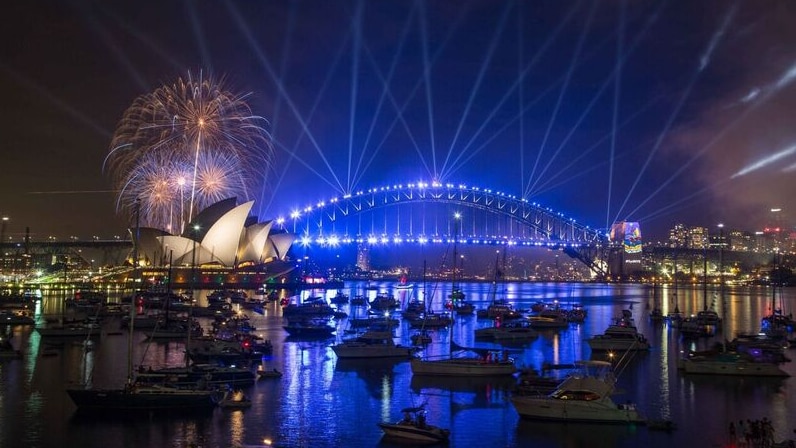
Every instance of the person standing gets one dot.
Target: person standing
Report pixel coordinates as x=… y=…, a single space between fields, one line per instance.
x=732 y=433
x=741 y=433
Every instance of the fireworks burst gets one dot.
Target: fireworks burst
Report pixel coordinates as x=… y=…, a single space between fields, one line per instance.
x=186 y=146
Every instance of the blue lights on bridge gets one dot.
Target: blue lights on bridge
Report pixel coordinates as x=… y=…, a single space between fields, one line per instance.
x=334 y=240
x=403 y=213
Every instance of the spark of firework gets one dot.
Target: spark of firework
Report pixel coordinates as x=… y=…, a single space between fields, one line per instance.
x=185 y=146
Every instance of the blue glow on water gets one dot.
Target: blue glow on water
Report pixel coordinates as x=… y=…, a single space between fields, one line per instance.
x=322 y=401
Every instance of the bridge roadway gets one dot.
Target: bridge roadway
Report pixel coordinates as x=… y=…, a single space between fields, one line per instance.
x=651 y=254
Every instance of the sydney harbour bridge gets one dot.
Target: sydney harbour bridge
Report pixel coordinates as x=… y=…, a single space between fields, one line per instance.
x=413 y=213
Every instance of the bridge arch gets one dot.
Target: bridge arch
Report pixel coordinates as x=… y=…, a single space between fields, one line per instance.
x=529 y=223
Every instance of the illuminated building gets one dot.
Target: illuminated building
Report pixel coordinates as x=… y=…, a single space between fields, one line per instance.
x=363 y=257
x=223 y=234
x=626 y=238
x=697 y=238
x=678 y=236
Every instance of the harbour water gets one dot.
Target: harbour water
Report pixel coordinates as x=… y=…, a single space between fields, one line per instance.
x=321 y=401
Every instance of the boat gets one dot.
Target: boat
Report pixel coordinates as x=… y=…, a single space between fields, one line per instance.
x=77 y=329
x=414 y=309
x=499 y=308
x=728 y=362
x=431 y=319
x=414 y=427
x=584 y=396
x=465 y=361
x=577 y=314
x=622 y=335
x=384 y=302
x=372 y=344
x=16 y=317
x=776 y=324
x=661 y=425
x=234 y=399
x=141 y=397
x=273 y=373
x=312 y=307
x=742 y=358
x=175 y=330
x=403 y=282
x=340 y=298
x=197 y=375
x=656 y=314
x=309 y=328
x=135 y=396
x=457 y=299
x=514 y=331
x=531 y=382
x=359 y=300
x=7 y=350
x=421 y=338
x=487 y=362
x=549 y=319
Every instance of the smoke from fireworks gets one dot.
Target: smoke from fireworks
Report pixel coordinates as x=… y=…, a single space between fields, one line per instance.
x=186 y=146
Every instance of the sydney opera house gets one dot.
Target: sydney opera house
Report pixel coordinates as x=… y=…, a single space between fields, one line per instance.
x=222 y=237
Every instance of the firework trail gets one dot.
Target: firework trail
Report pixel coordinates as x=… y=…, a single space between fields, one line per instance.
x=183 y=147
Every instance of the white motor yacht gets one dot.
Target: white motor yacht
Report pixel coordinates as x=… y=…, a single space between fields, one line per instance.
x=622 y=335
x=584 y=396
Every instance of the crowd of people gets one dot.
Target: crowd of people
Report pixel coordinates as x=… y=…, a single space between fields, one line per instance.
x=755 y=434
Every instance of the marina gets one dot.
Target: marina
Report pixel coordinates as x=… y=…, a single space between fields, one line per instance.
x=313 y=398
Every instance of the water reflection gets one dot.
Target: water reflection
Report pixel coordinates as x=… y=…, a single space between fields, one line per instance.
x=324 y=401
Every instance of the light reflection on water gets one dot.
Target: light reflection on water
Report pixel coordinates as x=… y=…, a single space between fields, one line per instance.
x=323 y=401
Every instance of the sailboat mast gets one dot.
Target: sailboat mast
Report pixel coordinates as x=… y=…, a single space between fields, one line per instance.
x=132 y=300
x=705 y=278
x=455 y=241
x=721 y=284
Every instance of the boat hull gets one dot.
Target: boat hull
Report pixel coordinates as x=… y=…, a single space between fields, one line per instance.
x=371 y=351
x=617 y=344
x=461 y=367
x=205 y=375
x=596 y=411
x=431 y=434
x=143 y=399
x=714 y=367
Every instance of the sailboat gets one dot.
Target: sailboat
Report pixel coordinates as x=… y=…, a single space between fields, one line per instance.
x=777 y=325
x=457 y=296
x=675 y=317
x=421 y=337
x=487 y=362
x=707 y=321
x=656 y=315
x=134 y=395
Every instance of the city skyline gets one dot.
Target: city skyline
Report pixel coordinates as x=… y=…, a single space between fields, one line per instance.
x=662 y=113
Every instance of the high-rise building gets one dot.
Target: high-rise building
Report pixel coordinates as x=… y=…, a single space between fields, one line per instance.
x=363 y=257
x=697 y=238
x=774 y=231
x=678 y=236
x=740 y=241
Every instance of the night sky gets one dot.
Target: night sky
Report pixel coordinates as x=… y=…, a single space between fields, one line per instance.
x=658 y=112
